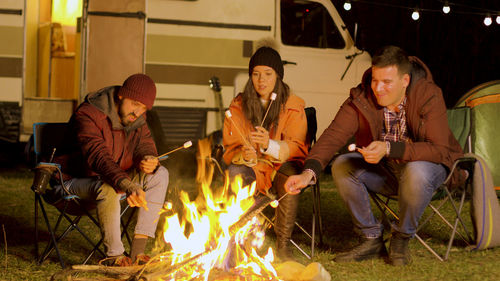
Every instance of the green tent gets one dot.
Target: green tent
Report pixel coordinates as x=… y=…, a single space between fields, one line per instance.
x=484 y=103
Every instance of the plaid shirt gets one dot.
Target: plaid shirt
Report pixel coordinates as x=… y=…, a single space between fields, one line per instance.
x=395 y=124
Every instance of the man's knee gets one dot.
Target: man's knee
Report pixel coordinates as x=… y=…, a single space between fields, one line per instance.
x=344 y=164
x=159 y=178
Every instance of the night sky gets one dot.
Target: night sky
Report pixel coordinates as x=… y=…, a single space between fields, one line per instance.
x=459 y=49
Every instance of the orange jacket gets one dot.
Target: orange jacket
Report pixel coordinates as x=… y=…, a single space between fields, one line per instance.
x=290 y=134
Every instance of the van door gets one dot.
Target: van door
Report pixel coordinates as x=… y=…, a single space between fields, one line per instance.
x=314 y=44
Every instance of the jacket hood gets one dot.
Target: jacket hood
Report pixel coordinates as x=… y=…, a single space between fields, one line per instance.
x=104 y=100
x=418 y=71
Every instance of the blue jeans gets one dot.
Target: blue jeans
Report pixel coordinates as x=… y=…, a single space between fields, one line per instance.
x=109 y=207
x=413 y=182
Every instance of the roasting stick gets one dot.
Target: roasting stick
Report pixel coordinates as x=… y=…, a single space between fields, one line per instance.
x=229 y=116
x=185 y=145
x=273 y=97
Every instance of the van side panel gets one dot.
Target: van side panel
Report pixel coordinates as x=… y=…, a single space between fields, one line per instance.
x=11 y=51
x=208 y=38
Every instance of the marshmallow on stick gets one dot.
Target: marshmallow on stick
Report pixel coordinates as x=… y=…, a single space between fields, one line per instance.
x=229 y=116
x=273 y=97
x=164 y=155
x=353 y=147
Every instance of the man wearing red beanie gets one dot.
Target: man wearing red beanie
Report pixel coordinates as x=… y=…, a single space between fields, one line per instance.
x=115 y=156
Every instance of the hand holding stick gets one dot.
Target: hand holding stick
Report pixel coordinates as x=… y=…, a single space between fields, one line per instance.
x=229 y=116
x=273 y=97
x=185 y=145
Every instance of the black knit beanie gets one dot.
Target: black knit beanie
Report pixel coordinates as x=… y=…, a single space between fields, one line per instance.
x=268 y=57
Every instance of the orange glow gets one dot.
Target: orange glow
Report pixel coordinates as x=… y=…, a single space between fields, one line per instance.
x=202 y=236
x=65 y=12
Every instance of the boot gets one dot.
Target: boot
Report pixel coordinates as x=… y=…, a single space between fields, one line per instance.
x=399 y=254
x=369 y=248
x=286 y=213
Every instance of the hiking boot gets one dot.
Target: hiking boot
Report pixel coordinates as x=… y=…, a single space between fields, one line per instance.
x=286 y=213
x=399 y=254
x=120 y=260
x=283 y=251
x=141 y=259
x=369 y=248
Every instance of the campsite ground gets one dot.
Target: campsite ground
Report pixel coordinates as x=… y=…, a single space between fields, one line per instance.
x=17 y=230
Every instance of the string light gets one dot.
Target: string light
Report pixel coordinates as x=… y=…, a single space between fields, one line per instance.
x=347 y=5
x=487 y=20
x=446 y=7
x=415 y=15
x=458 y=8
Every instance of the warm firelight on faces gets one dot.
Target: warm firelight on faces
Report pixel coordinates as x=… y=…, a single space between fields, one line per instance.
x=129 y=110
x=264 y=80
x=388 y=86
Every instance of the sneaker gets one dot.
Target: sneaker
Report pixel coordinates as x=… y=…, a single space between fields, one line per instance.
x=141 y=259
x=399 y=254
x=120 y=260
x=369 y=248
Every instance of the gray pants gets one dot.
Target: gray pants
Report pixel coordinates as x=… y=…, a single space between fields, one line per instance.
x=109 y=207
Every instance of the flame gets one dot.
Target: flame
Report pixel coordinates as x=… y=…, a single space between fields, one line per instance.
x=202 y=236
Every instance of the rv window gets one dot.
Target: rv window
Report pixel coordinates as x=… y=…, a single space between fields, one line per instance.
x=308 y=24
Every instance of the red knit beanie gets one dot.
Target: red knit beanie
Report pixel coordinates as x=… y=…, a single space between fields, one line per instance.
x=139 y=87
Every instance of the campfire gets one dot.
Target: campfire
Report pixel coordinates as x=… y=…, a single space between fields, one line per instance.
x=217 y=236
x=219 y=231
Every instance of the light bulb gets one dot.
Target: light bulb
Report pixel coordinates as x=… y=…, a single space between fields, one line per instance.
x=446 y=8
x=487 y=21
x=347 y=5
x=498 y=19
x=415 y=15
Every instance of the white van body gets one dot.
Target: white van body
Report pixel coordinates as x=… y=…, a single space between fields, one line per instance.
x=187 y=42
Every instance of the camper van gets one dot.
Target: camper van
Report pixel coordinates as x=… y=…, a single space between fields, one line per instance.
x=197 y=51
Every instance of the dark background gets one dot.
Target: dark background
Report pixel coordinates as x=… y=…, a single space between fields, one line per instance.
x=459 y=49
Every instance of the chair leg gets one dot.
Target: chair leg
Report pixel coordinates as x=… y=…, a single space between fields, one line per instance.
x=37 y=197
x=52 y=236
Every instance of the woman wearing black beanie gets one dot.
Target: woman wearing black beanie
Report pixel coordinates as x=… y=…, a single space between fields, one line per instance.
x=265 y=139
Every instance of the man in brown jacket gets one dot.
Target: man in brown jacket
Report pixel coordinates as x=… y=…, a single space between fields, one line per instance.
x=115 y=156
x=403 y=146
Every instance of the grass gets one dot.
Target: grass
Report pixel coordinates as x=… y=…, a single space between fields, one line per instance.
x=17 y=255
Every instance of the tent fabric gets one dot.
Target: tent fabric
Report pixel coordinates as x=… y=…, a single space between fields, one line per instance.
x=485 y=209
x=485 y=89
x=459 y=122
x=484 y=104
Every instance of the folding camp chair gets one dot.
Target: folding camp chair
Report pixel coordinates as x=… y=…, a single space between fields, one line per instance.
x=49 y=139
x=316 y=221
x=459 y=122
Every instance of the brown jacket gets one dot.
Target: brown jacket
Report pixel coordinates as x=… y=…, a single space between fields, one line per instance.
x=361 y=116
x=103 y=147
x=290 y=133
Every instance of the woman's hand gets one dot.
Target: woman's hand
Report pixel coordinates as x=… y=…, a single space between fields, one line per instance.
x=249 y=153
x=260 y=137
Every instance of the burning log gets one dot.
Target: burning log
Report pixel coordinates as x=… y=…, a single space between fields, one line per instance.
x=261 y=202
x=154 y=270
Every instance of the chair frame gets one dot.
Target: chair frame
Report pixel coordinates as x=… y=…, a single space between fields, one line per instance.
x=69 y=201
x=317 y=223
x=465 y=163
